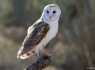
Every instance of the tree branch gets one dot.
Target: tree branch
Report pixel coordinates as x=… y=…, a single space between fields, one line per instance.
x=41 y=63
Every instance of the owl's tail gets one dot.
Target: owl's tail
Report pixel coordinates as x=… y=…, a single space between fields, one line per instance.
x=25 y=55
x=20 y=55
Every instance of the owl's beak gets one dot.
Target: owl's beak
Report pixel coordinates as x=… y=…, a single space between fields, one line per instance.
x=50 y=17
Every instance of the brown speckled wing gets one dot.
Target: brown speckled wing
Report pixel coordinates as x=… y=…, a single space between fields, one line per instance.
x=39 y=31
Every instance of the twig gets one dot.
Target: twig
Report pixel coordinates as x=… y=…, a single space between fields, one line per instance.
x=41 y=63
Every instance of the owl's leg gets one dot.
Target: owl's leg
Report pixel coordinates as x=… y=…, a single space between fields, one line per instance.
x=38 y=57
x=42 y=49
x=37 y=50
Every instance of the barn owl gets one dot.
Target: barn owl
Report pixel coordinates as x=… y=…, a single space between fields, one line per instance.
x=41 y=32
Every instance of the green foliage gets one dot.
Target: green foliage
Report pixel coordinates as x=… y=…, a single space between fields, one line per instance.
x=6 y=15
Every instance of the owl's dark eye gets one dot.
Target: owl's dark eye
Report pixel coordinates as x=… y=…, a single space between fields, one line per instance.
x=54 y=11
x=47 y=11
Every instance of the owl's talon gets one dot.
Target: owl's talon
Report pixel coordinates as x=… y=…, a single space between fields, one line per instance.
x=38 y=58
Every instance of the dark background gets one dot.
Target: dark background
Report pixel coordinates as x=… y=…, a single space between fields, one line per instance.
x=72 y=49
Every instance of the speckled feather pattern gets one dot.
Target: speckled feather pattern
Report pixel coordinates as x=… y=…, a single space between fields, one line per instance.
x=35 y=37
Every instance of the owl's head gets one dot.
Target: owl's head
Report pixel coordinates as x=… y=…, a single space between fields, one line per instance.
x=51 y=13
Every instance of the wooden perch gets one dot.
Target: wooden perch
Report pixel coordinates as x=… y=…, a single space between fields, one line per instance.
x=41 y=63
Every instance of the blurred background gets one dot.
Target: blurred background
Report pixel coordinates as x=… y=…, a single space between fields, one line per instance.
x=72 y=49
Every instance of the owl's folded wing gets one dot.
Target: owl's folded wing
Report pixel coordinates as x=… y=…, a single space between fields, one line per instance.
x=34 y=37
